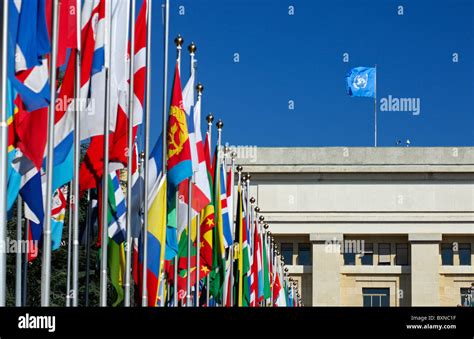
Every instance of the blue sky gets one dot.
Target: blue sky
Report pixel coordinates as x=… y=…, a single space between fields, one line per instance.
x=299 y=57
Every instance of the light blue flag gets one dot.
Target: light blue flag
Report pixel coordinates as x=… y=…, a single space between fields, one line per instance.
x=360 y=82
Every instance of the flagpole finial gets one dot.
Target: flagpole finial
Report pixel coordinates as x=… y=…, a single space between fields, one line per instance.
x=257 y=209
x=248 y=176
x=210 y=118
x=286 y=268
x=252 y=200
x=226 y=149
x=244 y=177
x=282 y=257
x=219 y=124
x=265 y=226
x=199 y=88
x=269 y=233
x=179 y=41
x=233 y=155
x=192 y=48
x=261 y=218
x=239 y=168
x=142 y=156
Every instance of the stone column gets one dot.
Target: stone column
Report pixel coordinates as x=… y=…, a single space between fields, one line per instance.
x=326 y=268
x=425 y=268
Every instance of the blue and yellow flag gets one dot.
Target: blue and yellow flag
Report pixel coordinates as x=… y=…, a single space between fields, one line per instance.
x=156 y=239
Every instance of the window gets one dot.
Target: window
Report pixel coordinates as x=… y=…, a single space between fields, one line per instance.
x=368 y=257
x=376 y=297
x=401 y=254
x=466 y=297
x=447 y=254
x=384 y=254
x=304 y=254
x=349 y=258
x=287 y=252
x=465 y=254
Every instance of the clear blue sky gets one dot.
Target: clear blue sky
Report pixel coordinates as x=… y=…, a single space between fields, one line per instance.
x=300 y=58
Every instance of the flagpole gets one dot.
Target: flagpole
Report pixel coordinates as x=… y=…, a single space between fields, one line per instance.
x=25 y=267
x=46 y=260
x=4 y=154
x=77 y=159
x=375 y=106
x=105 y=175
x=88 y=247
x=199 y=89
x=210 y=119
x=147 y=155
x=192 y=51
x=131 y=95
x=18 y=275
x=69 y=248
x=237 y=225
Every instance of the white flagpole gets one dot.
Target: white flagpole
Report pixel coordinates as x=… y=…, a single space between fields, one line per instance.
x=69 y=248
x=46 y=260
x=375 y=107
x=147 y=154
x=3 y=155
x=192 y=51
x=18 y=275
x=200 y=89
x=77 y=158
x=105 y=175
x=166 y=14
x=210 y=119
x=131 y=95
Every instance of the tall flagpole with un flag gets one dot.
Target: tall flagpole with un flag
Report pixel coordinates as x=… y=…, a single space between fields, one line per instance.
x=3 y=153
x=362 y=82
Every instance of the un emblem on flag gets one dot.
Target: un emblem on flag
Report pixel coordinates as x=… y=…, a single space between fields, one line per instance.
x=360 y=81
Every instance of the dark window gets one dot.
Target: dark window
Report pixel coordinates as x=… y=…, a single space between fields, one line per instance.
x=401 y=254
x=349 y=258
x=368 y=257
x=287 y=252
x=466 y=297
x=384 y=254
x=447 y=254
x=304 y=254
x=376 y=297
x=465 y=254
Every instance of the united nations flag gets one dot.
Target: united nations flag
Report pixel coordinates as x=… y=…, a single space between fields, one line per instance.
x=360 y=82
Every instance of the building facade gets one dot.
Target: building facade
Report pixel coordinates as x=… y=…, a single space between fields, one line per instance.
x=370 y=226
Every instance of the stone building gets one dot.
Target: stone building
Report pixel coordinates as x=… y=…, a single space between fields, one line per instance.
x=371 y=226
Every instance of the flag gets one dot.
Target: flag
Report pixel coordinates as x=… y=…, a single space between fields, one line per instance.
x=179 y=151
x=67 y=33
x=156 y=239
x=242 y=253
x=266 y=272
x=217 y=277
x=58 y=212
x=226 y=223
x=360 y=82
x=117 y=210
x=28 y=43
x=257 y=284
x=92 y=124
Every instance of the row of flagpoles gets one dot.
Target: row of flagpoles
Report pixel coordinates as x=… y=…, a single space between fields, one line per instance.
x=184 y=234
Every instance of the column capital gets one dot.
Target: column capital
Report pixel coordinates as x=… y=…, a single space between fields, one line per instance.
x=326 y=237
x=425 y=237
